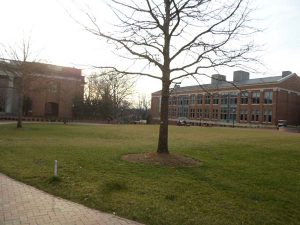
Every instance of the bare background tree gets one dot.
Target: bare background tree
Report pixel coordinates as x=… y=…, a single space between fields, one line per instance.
x=143 y=107
x=119 y=88
x=17 y=64
x=182 y=38
x=107 y=96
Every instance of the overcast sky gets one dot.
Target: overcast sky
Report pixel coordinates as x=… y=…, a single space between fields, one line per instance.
x=58 y=40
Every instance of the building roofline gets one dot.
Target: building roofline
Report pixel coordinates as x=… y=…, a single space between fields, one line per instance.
x=49 y=70
x=287 y=77
x=280 y=80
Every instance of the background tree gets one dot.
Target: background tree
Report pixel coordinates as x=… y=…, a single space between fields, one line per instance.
x=106 y=96
x=142 y=109
x=18 y=64
x=180 y=38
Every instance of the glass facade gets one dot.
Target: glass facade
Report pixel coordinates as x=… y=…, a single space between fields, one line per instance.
x=183 y=111
x=183 y=100
x=226 y=107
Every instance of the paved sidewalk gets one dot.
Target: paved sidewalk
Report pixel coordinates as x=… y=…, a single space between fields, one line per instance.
x=23 y=204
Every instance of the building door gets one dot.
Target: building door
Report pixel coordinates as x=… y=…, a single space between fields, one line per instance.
x=51 y=109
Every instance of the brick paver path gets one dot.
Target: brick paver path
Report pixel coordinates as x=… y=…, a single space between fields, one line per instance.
x=23 y=204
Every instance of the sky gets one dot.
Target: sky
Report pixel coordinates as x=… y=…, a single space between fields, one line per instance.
x=57 y=39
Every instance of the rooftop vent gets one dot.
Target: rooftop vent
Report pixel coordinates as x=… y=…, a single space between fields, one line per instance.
x=286 y=73
x=217 y=79
x=240 y=76
x=176 y=86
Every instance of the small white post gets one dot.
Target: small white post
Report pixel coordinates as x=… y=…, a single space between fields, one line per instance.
x=55 y=168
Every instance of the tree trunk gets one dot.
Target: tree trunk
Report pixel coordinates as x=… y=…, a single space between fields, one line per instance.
x=164 y=108
x=163 y=128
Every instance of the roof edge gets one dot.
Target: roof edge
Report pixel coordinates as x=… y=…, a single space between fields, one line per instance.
x=287 y=77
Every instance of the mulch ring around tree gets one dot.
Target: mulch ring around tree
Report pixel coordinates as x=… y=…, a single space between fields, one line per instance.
x=162 y=159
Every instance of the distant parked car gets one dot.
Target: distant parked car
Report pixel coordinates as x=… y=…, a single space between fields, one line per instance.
x=282 y=123
x=140 y=122
x=182 y=121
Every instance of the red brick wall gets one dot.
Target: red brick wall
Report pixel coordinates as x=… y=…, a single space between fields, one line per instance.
x=155 y=106
x=292 y=84
x=289 y=101
x=288 y=107
x=40 y=93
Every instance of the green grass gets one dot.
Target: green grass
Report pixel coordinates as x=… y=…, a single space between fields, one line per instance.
x=247 y=176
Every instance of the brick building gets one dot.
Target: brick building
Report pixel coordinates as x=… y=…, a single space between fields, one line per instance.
x=49 y=90
x=243 y=101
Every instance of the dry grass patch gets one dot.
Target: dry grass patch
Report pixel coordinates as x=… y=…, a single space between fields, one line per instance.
x=162 y=159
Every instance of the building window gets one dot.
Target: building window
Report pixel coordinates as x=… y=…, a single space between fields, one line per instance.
x=199 y=113
x=268 y=97
x=215 y=114
x=244 y=98
x=192 y=113
x=174 y=101
x=232 y=115
x=233 y=99
x=172 y=112
x=199 y=99
x=268 y=116
x=255 y=115
x=224 y=99
x=243 y=116
x=183 y=111
x=206 y=113
x=224 y=113
x=192 y=99
x=255 y=97
x=183 y=100
x=207 y=99
x=180 y=100
x=53 y=88
x=170 y=101
x=216 y=99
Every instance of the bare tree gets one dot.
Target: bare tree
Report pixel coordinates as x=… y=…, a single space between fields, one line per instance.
x=113 y=86
x=144 y=102
x=180 y=38
x=19 y=69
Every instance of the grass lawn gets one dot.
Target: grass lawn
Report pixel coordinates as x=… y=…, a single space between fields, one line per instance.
x=246 y=177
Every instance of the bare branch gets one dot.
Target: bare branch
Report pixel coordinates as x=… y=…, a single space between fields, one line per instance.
x=126 y=72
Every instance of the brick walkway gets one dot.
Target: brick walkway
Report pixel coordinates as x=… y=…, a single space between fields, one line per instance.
x=23 y=204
